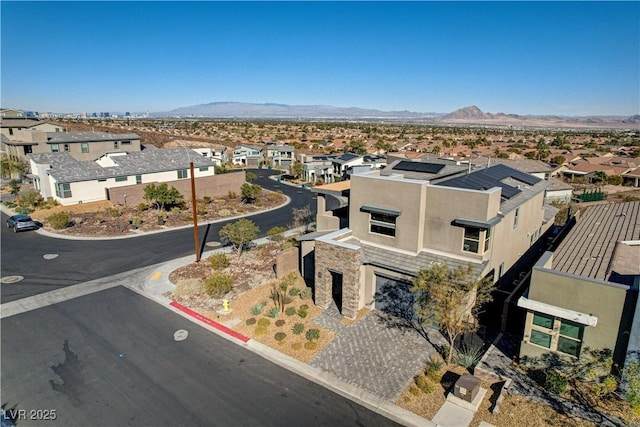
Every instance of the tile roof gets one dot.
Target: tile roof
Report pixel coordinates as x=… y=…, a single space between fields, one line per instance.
x=588 y=249
x=19 y=123
x=64 y=168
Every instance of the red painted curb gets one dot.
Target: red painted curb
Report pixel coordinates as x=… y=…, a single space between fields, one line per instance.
x=209 y=322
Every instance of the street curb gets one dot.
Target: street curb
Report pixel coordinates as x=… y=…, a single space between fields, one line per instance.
x=209 y=322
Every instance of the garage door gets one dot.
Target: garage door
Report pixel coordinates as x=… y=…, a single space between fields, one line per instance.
x=394 y=297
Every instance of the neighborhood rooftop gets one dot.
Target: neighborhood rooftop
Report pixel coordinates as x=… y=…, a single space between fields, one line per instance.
x=63 y=137
x=590 y=248
x=64 y=168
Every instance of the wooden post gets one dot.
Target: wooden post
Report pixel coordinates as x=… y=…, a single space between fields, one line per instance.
x=196 y=239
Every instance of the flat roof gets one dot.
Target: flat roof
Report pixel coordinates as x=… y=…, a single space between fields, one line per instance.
x=588 y=249
x=334 y=186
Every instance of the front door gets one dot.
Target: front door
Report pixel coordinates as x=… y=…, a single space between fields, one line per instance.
x=336 y=288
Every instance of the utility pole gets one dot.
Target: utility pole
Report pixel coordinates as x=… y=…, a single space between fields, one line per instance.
x=196 y=239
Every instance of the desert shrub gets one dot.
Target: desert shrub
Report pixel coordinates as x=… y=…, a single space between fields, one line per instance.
x=9 y=204
x=219 y=261
x=294 y=291
x=251 y=321
x=175 y=210
x=304 y=307
x=276 y=233
x=414 y=390
x=115 y=212
x=142 y=207
x=260 y=330
x=433 y=369
x=49 y=203
x=555 y=382
x=305 y=293
x=273 y=312
x=187 y=288
x=310 y=345
x=288 y=300
x=279 y=336
x=280 y=322
x=221 y=202
x=232 y=195
x=136 y=220
x=296 y=346
x=302 y=313
x=298 y=328
x=217 y=285
x=257 y=309
x=424 y=384
x=206 y=200
x=264 y=322
x=23 y=210
x=187 y=218
x=224 y=212
x=290 y=311
x=468 y=356
x=201 y=209
x=312 y=334
x=31 y=198
x=58 y=221
x=630 y=198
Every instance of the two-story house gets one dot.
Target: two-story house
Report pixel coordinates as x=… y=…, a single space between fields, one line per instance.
x=280 y=155
x=247 y=155
x=412 y=215
x=217 y=153
x=584 y=294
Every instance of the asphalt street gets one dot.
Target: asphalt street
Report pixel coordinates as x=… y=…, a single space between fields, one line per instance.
x=78 y=261
x=110 y=358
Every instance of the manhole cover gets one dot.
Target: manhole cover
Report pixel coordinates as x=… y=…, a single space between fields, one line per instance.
x=11 y=279
x=50 y=256
x=213 y=244
x=180 y=335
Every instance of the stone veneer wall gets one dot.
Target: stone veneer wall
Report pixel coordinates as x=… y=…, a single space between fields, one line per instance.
x=286 y=262
x=212 y=186
x=343 y=260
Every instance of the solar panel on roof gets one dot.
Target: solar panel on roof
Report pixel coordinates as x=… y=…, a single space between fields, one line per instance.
x=408 y=166
x=492 y=177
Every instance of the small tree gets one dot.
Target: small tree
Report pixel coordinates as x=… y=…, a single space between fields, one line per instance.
x=250 y=176
x=162 y=196
x=250 y=192
x=296 y=169
x=12 y=167
x=239 y=233
x=450 y=297
x=14 y=187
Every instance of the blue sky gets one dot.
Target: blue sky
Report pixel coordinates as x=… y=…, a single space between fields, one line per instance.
x=573 y=58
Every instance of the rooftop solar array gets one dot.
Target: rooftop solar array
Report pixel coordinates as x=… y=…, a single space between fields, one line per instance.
x=409 y=166
x=492 y=177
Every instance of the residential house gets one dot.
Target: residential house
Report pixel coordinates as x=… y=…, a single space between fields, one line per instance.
x=631 y=177
x=71 y=181
x=19 y=130
x=317 y=168
x=80 y=145
x=342 y=163
x=412 y=215
x=585 y=293
x=280 y=155
x=217 y=153
x=247 y=155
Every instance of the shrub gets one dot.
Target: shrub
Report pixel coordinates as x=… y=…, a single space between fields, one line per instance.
x=142 y=207
x=260 y=330
x=206 y=200
x=302 y=313
x=257 y=309
x=414 y=390
x=251 y=321
x=312 y=334
x=280 y=322
x=232 y=195
x=310 y=345
x=424 y=384
x=290 y=311
x=296 y=346
x=217 y=285
x=298 y=328
x=433 y=370
x=31 y=198
x=201 y=210
x=294 y=291
x=305 y=293
x=468 y=356
x=175 y=210
x=555 y=382
x=273 y=312
x=279 y=336
x=188 y=288
x=136 y=221
x=276 y=233
x=219 y=261
x=264 y=322
x=58 y=221
x=224 y=212
x=304 y=307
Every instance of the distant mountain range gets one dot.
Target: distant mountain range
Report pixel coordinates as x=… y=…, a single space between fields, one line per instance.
x=471 y=115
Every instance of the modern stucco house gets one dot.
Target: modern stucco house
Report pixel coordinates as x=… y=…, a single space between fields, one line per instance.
x=381 y=228
x=247 y=155
x=584 y=294
x=71 y=181
x=280 y=155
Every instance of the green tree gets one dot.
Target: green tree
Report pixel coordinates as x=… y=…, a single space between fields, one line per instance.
x=11 y=167
x=239 y=233
x=557 y=160
x=250 y=176
x=450 y=297
x=14 y=187
x=250 y=192
x=356 y=146
x=297 y=169
x=162 y=196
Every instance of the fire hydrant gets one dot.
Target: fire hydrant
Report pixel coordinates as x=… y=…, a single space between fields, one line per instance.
x=225 y=304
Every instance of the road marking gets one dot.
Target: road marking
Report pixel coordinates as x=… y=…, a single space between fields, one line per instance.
x=11 y=279
x=50 y=256
x=156 y=275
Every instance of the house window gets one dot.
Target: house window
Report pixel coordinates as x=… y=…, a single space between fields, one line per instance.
x=85 y=147
x=116 y=145
x=138 y=179
x=501 y=270
x=63 y=190
x=515 y=218
x=66 y=148
x=182 y=174
x=55 y=148
x=122 y=178
x=10 y=131
x=28 y=149
x=381 y=223
x=126 y=142
x=556 y=334
x=203 y=168
x=487 y=239
x=471 y=241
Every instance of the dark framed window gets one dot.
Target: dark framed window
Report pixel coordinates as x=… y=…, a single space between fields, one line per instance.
x=55 y=148
x=182 y=174
x=63 y=190
x=381 y=223
x=122 y=178
x=85 y=147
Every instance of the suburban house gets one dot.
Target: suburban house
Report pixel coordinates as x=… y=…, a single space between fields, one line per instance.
x=317 y=168
x=247 y=155
x=217 y=153
x=80 y=145
x=632 y=177
x=585 y=293
x=280 y=155
x=71 y=181
x=376 y=231
x=18 y=132
x=341 y=164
